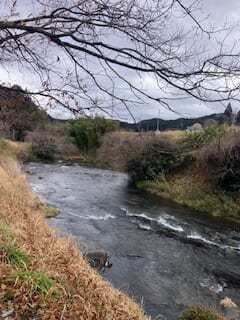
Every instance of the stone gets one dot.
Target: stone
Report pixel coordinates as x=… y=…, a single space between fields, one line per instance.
x=98 y=260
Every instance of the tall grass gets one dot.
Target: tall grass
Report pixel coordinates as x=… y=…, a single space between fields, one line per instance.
x=14 y=149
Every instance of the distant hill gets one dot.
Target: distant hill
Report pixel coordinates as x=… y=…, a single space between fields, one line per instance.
x=56 y=121
x=177 y=124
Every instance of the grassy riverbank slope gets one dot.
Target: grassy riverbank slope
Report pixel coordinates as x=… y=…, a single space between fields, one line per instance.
x=199 y=170
x=42 y=275
x=204 y=177
x=192 y=191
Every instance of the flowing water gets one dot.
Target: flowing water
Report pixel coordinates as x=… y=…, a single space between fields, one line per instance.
x=163 y=255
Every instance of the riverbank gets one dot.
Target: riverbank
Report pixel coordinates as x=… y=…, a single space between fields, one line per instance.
x=44 y=276
x=198 y=170
x=191 y=190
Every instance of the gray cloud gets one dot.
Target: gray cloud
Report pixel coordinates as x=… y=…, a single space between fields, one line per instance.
x=218 y=11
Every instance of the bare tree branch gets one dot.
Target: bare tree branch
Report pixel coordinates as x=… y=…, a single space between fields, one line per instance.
x=100 y=48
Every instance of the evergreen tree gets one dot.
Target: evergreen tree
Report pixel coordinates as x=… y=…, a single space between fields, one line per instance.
x=228 y=111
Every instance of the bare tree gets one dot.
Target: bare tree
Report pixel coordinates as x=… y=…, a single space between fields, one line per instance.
x=88 y=53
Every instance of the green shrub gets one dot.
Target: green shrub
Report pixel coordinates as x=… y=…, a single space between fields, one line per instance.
x=153 y=162
x=87 y=132
x=183 y=160
x=196 y=140
x=199 y=312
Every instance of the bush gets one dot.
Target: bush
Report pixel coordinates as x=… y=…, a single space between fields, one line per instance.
x=183 y=160
x=199 y=312
x=121 y=147
x=118 y=148
x=51 y=141
x=87 y=132
x=43 y=146
x=221 y=159
x=196 y=140
x=153 y=162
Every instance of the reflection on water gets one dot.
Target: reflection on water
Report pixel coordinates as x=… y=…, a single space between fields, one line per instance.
x=162 y=255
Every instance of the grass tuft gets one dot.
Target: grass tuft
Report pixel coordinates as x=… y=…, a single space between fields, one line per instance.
x=36 y=282
x=199 y=312
x=15 y=256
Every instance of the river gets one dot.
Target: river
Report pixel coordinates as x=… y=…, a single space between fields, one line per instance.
x=165 y=256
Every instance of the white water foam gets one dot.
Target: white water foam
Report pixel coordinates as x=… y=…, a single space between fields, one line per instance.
x=144 y=226
x=230 y=248
x=160 y=220
x=34 y=188
x=92 y=217
x=166 y=224
x=104 y=217
x=140 y=215
x=214 y=287
x=37 y=187
x=195 y=235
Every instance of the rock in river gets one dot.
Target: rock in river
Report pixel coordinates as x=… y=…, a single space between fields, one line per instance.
x=98 y=259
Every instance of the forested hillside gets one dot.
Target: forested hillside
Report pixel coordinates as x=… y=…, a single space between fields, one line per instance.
x=18 y=113
x=183 y=123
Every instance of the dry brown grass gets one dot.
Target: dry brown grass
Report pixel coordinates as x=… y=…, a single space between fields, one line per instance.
x=173 y=134
x=119 y=147
x=83 y=294
x=14 y=149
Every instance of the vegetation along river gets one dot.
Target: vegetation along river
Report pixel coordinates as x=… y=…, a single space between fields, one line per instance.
x=163 y=255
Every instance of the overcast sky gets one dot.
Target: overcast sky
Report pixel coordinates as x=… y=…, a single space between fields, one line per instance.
x=218 y=11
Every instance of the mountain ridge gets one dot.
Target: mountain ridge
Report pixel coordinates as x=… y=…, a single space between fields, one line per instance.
x=154 y=124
